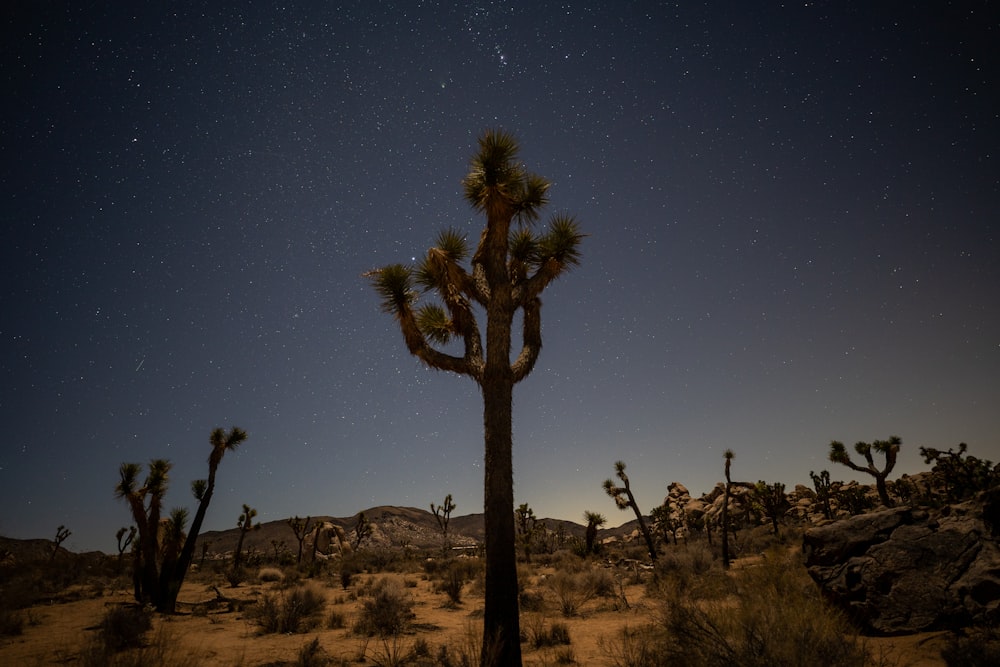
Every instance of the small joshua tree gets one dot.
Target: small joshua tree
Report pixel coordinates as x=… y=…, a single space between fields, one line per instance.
x=245 y=524
x=442 y=513
x=624 y=499
x=594 y=521
x=824 y=490
x=300 y=527
x=362 y=530
x=527 y=528
x=770 y=501
x=888 y=448
x=61 y=534
x=666 y=522
x=124 y=542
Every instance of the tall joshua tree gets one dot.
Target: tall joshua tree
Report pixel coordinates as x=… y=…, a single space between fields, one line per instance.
x=624 y=500
x=887 y=448
x=510 y=268
x=160 y=569
x=728 y=456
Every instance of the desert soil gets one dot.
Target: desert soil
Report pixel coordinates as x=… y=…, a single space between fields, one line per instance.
x=59 y=631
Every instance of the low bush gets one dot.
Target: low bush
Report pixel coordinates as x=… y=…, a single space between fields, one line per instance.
x=294 y=610
x=973 y=647
x=573 y=590
x=388 y=612
x=270 y=574
x=125 y=626
x=774 y=617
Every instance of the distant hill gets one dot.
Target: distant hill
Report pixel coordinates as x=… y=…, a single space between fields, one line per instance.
x=392 y=526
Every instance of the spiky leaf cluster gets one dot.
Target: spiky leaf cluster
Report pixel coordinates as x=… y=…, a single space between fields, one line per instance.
x=499 y=186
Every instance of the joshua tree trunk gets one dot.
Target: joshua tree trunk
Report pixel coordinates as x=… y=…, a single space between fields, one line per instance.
x=501 y=616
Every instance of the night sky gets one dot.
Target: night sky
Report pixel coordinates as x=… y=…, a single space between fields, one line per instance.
x=792 y=218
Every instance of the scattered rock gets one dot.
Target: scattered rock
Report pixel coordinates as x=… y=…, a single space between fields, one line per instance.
x=907 y=570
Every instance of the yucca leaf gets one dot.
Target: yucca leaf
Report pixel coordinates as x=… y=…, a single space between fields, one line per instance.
x=434 y=323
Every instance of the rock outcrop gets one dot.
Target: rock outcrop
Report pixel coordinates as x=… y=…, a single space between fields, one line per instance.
x=906 y=570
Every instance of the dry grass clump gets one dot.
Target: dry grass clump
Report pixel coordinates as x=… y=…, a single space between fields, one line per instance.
x=574 y=589
x=269 y=575
x=973 y=647
x=297 y=609
x=773 y=616
x=388 y=612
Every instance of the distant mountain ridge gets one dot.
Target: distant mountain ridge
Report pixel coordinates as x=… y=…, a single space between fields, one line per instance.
x=392 y=526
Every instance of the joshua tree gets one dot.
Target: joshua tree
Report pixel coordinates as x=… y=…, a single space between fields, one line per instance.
x=594 y=521
x=124 y=542
x=962 y=475
x=221 y=442
x=888 y=448
x=362 y=530
x=666 y=522
x=624 y=499
x=173 y=538
x=62 y=532
x=770 y=501
x=728 y=456
x=145 y=572
x=509 y=270
x=245 y=524
x=824 y=489
x=300 y=527
x=527 y=528
x=442 y=513
x=155 y=584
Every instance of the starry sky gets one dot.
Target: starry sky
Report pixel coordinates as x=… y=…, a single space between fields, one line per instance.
x=791 y=211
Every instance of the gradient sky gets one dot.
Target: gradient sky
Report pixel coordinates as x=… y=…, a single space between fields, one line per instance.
x=792 y=212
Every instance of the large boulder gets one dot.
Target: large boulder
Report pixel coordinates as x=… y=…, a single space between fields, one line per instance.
x=907 y=570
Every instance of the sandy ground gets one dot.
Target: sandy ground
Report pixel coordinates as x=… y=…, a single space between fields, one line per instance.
x=59 y=631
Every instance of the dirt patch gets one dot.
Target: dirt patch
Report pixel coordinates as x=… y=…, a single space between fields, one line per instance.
x=209 y=632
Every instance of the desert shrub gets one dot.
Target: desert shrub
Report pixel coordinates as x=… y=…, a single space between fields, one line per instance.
x=451 y=585
x=236 y=575
x=975 y=647
x=336 y=620
x=312 y=654
x=693 y=572
x=388 y=612
x=775 y=617
x=270 y=574
x=453 y=577
x=633 y=647
x=12 y=622
x=573 y=590
x=124 y=627
x=538 y=633
x=160 y=650
x=565 y=656
x=532 y=601
x=293 y=610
